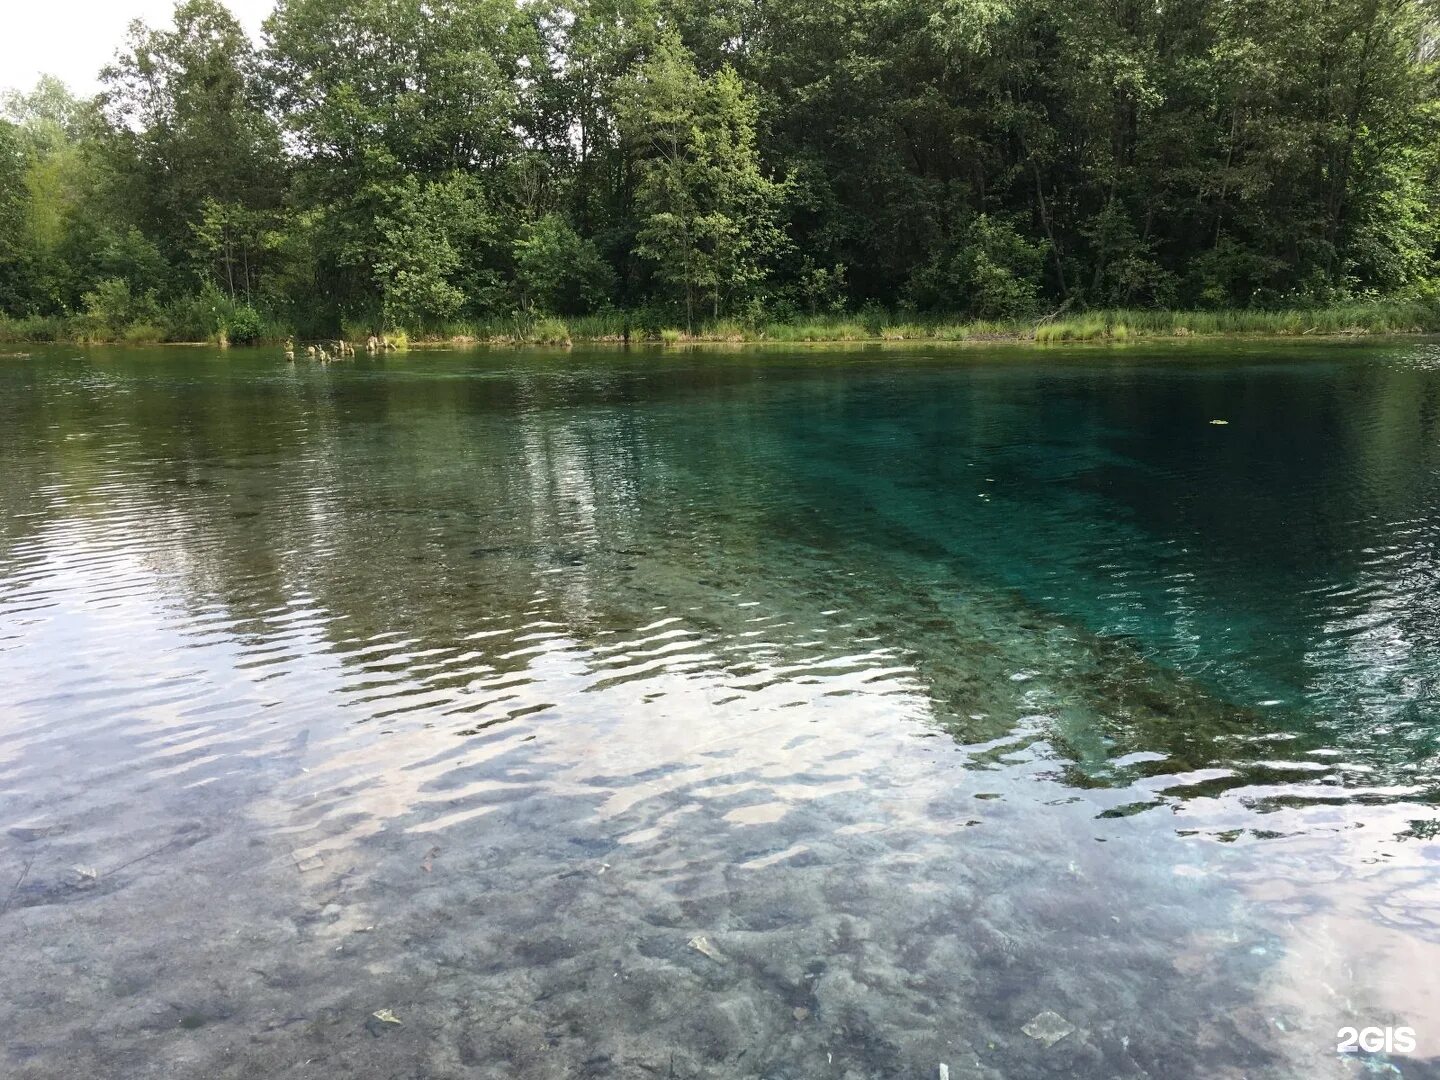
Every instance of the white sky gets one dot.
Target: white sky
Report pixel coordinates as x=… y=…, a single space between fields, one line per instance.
x=74 y=39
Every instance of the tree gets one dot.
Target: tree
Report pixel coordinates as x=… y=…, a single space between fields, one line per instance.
x=422 y=269
x=707 y=212
x=185 y=109
x=68 y=201
x=427 y=161
x=49 y=115
x=376 y=93
x=14 y=242
x=230 y=246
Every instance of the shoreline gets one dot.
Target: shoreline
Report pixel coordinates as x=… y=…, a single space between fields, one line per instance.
x=698 y=341
x=460 y=341
x=1118 y=326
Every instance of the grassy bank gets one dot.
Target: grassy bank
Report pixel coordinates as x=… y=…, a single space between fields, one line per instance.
x=1383 y=317
x=1389 y=317
x=85 y=330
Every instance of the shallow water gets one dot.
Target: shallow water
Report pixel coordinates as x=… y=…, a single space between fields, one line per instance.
x=763 y=713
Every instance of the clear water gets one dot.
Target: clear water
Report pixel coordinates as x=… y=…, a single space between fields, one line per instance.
x=933 y=690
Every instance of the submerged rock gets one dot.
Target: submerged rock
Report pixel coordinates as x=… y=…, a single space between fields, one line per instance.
x=702 y=945
x=1048 y=1027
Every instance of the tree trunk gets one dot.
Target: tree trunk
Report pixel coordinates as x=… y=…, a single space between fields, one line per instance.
x=1049 y=229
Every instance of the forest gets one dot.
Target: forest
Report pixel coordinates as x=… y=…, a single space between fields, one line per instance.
x=549 y=168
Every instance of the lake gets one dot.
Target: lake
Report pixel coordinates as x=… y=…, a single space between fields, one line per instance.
x=755 y=712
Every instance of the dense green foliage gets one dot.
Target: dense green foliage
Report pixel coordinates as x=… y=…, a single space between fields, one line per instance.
x=454 y=164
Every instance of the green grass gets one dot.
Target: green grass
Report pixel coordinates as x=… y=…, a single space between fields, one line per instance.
x=1374 y=317
x=820 y=328
x=1085 y=328
x=1378 y=317
x=85 y=330
x=607 y=326
x=724 y=330
x=548 y=332
x=36 y=328
x=904 y=332
x=522 y=329
x=356 y=333
x=142 y=334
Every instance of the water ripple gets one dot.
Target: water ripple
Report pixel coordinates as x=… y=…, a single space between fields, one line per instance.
x=482 y=694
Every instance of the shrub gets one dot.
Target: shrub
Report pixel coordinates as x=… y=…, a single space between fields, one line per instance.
x=1127 y=268
x=871 y=317
x=989 y=272
x=245 y=326
x=142 y=333
x=32 y=328
x=110 y=307
x=557 y=270
x=190 y=318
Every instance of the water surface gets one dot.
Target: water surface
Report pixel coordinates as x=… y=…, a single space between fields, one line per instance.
x=723 y=713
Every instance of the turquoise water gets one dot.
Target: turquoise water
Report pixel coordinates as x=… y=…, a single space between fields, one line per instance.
x=714 y=713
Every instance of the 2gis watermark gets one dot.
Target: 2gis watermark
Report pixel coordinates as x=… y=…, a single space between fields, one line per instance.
x=1375 y=1040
